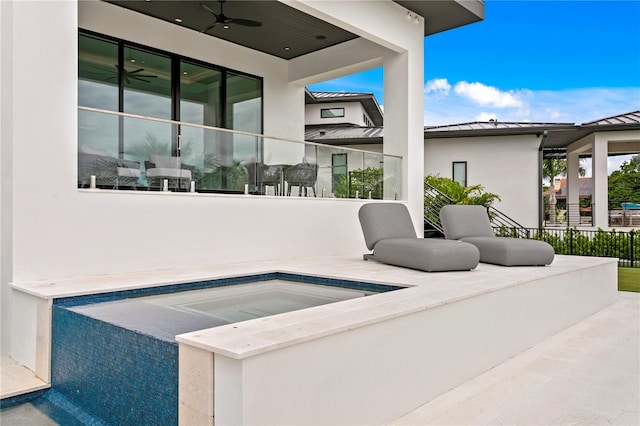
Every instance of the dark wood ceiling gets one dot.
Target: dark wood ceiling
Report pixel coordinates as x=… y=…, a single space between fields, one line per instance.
x=285 y=31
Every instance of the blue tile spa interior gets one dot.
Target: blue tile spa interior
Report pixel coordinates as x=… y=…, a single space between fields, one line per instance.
x=114 y=355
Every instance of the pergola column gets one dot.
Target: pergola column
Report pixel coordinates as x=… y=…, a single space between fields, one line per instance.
x=599 y=181
x=573 y=187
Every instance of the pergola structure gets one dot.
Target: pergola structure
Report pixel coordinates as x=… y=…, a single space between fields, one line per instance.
x=599 y=139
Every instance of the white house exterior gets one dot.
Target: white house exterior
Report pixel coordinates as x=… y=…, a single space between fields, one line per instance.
x=342 y=109
x=497 y=164
x=51 y=229
x=506 y=157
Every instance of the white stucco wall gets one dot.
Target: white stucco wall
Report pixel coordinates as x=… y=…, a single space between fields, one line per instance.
x=59 y=231
x=353 y=113
x=504 y=165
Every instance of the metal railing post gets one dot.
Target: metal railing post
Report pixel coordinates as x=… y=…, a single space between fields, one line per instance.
x=570 y=241
x=632 y=248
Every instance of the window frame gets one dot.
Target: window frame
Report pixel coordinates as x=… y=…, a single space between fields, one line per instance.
x=462 y=181
x=323 y=110
x=176 y=59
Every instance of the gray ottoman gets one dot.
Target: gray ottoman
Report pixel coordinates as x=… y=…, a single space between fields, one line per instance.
x=426 y=254
x=512 y=251
x=471 y=224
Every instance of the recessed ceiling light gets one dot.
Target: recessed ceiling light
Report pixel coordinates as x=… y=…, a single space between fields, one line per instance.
x=287 y=48
x=178 y=20
x=226 y=27
x=321 y=37
x=133 y=60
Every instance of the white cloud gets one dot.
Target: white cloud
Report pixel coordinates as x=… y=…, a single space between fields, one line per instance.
x=560 y=106
x=437 y=85
x=486 y=116
x=487 y=95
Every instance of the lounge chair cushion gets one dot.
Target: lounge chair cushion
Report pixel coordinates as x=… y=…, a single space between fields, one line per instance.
x=459 y=221
x=512 y=251
x=471 y=224
x=430 y=255
x=380 y=221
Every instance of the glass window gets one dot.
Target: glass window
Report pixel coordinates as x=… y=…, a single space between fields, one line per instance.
x=200 y=103
x=243 y=112
x=460 y=172
x=146 y=80
x=331 y=112
x=118 y=76
x=97 y=88
x=338 y=170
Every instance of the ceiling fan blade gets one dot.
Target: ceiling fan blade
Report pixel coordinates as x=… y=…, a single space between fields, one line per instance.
x=207 y=8
x=136 y=71
x=244 y=22
x=209 y=27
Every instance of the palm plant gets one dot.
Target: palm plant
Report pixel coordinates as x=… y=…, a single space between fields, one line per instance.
x=459 y=194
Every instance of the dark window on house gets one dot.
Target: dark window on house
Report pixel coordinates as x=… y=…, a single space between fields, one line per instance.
x=331 y=112
x=338 y=170
x=460 y=172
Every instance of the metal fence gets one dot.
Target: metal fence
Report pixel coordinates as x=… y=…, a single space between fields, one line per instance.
x=622 y=245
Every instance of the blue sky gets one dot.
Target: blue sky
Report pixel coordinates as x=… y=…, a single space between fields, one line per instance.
x=542 y=61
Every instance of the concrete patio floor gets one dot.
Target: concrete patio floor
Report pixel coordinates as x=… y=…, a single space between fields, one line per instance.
x=588 y=373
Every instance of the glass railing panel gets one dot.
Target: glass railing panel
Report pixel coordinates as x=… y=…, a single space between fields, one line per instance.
x=219 y=157
x=372 y=176
x=148 y=145
x=98 y=149
x=124 y=151
x=287 y=168
x=392 y=186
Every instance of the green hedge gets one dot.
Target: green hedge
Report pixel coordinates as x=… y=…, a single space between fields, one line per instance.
x=622 y=245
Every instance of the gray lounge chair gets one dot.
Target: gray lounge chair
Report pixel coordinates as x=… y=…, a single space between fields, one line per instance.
x=471 y=224
x=389 y=232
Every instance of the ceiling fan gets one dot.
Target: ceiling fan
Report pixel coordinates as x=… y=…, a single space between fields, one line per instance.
x=107 y=74
x=225 y=21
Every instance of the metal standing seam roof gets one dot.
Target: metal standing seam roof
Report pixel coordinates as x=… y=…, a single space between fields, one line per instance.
x=492 y=125
x=632 y=117
x=344 y=135
x=559 y=135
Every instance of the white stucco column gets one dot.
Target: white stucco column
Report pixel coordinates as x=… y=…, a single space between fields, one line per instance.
x=6 y=169
x=387 y=25
x=39 y=153
x=573 y=183
x=404 y=123
x=600 y=182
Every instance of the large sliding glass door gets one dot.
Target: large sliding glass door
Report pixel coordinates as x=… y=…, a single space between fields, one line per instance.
x=201 y=103
x=98 y=134
x=118 y=76
x=146 y=91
